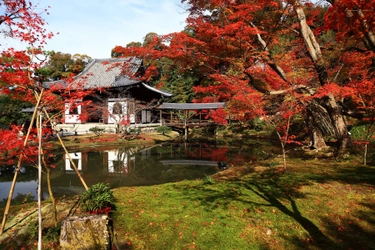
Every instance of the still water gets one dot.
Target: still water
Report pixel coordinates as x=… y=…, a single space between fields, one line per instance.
x=167 y=162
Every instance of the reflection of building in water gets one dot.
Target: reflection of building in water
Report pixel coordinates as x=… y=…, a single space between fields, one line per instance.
x=146 y=152
x=118 y=162
x=77 y=159
x=110 y=162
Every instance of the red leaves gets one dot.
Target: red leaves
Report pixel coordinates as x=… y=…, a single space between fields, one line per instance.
x=151 y=72
x=24 y=23
x=11 y=146
x=105 y=210
x=351 y=17
x=219 y=116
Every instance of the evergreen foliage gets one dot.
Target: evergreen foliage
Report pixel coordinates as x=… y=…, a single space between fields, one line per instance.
x=11 y=111
x=98 y=199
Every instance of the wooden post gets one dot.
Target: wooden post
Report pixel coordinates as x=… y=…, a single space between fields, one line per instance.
x=161 y=118
x=185 y=126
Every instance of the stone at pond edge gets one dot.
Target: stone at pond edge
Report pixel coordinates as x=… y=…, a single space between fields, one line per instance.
x=86 y=232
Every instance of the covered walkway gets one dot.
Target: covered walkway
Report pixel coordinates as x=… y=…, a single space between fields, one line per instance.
x=185 y=115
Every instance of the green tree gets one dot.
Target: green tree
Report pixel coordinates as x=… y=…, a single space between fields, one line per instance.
x=11 y=112
x=181 y=85
x=62 y=65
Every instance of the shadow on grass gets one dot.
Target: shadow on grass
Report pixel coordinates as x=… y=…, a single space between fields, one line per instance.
x=350 y=175
x=281 y=190
x=274 y=190
x=355 y=231
x=263 y=191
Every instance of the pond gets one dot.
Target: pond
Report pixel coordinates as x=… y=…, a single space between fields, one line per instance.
x=157 y=164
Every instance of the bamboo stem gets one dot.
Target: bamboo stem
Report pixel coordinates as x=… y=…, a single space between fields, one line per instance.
x=6 y=211
x=67 y=153
x=39 y=126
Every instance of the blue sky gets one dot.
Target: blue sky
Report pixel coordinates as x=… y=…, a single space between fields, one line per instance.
x=94 y=27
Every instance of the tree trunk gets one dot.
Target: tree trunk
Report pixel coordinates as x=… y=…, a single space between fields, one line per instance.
x=329 y=101
x=54 y=210
x=338 y=122
x=365 y=155
x=316 y=135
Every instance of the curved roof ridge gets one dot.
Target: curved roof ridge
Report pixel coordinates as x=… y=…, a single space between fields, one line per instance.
x=157 y=90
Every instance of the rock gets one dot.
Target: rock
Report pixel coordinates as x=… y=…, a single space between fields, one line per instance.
x=86 y=232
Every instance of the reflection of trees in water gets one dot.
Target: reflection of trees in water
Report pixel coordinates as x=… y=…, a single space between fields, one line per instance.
x=28 y=173
x=141 y=165
x=121 y=161
x=76 y=162
x=233 y=151
x=19 y=199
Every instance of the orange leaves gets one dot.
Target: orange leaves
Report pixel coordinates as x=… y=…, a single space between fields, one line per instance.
x=219 y=116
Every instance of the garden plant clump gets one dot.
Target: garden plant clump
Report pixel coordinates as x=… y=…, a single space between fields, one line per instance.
x=98 y=199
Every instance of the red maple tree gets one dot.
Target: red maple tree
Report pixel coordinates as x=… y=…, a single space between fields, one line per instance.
x=21 y=21
x=254 y=55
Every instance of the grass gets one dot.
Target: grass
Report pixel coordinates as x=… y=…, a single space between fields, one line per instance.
x=311 y=205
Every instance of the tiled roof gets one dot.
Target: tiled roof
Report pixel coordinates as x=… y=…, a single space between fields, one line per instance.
x=103 y=73
x=192 y=106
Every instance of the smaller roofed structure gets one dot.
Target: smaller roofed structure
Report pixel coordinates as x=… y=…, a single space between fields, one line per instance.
x=187 y=114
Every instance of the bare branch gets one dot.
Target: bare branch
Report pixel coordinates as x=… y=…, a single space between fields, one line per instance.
x=271 y=62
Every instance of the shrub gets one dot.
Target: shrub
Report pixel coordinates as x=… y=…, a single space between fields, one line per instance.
x=164 y=130
x=362 y=132
x=52 y=233
x=98 y=131
x=208 y=180
x=98 y=199
x=258 y=124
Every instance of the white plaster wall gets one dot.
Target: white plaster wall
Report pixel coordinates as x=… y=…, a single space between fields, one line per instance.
x=72 y=118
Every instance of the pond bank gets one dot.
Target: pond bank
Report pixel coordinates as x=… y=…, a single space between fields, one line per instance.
x=92 y=140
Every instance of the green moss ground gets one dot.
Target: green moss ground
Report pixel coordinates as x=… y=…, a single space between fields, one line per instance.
x=311 y=205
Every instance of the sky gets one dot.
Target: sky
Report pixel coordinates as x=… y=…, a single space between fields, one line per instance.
x=95 y=27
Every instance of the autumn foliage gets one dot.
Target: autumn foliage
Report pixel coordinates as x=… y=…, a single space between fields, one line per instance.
x=255 y=56
x=23 y=21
